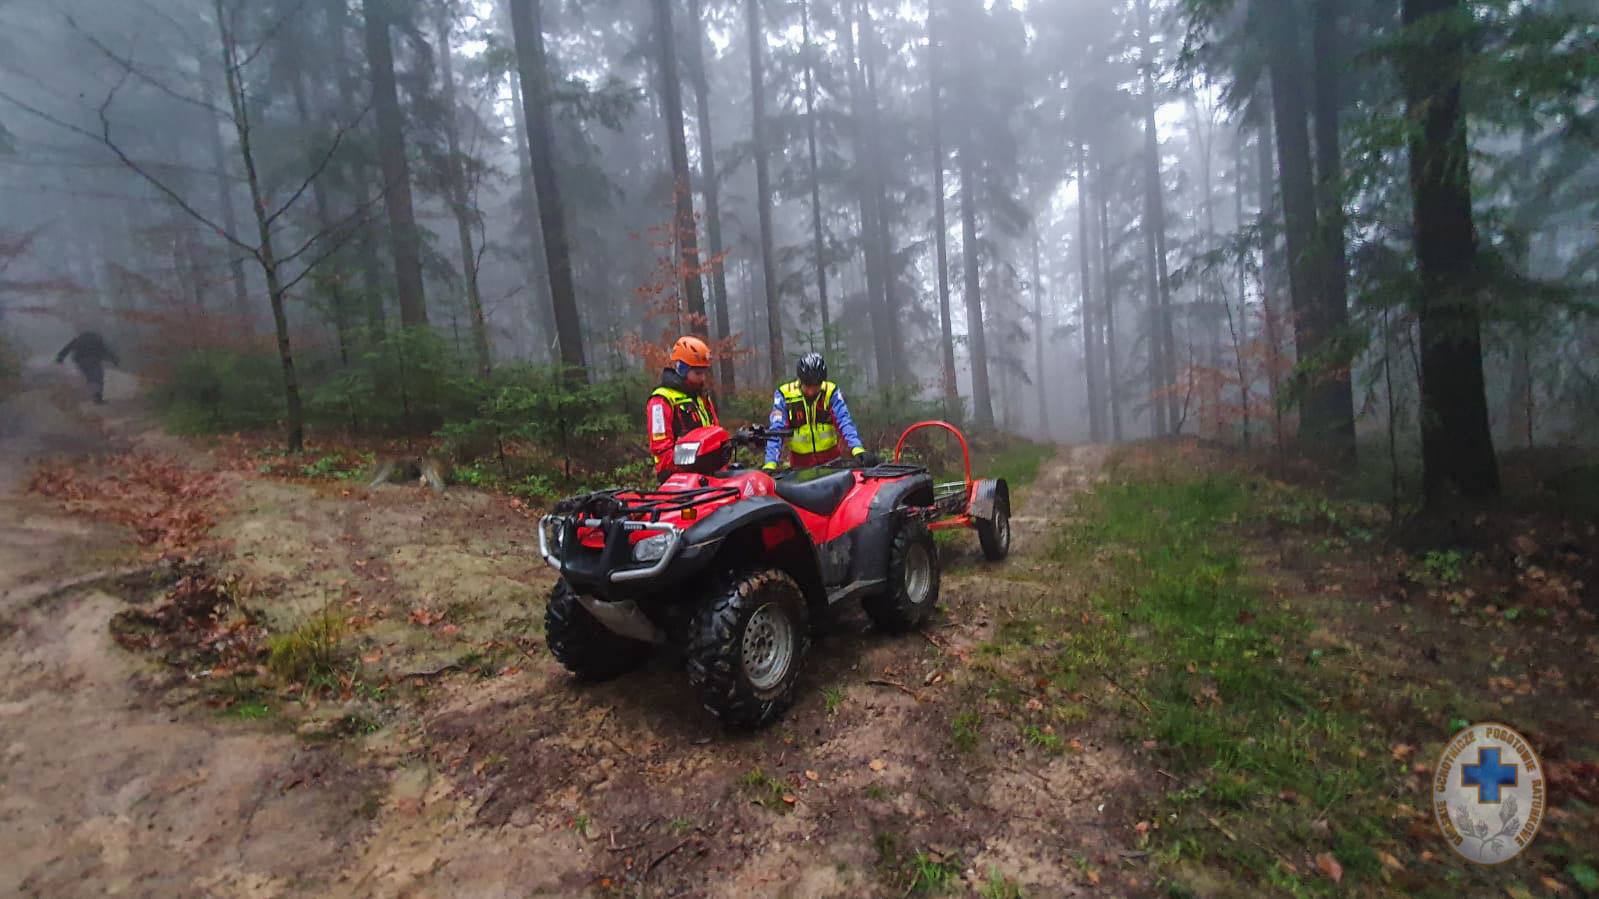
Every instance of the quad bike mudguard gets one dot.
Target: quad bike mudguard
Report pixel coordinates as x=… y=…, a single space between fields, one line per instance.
x=757 y=527
x=986 y=492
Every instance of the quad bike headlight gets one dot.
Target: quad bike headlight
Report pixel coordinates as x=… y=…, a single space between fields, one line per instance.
x=685 y=453
x=651 y=548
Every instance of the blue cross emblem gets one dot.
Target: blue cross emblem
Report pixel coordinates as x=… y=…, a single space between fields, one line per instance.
x=1488 y=775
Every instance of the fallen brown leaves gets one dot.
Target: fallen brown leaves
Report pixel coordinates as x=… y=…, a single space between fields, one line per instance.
x=197 y=625
x=170 y=507
x=1330 y=867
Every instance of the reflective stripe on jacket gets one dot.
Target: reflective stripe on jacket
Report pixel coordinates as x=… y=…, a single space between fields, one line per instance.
x=816 y=424
x=669 y=414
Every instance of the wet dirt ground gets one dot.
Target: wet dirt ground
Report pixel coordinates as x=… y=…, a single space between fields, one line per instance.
x=479 y=767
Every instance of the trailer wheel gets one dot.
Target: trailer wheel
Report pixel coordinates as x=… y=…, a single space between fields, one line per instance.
x=747 y=647
x=913 y=579
x=994 y=533
x=580 y=642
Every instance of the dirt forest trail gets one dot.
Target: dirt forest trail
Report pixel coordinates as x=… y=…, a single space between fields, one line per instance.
x=467 y=762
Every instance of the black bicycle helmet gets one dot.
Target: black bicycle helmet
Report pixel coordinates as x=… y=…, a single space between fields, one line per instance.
x=812 y=369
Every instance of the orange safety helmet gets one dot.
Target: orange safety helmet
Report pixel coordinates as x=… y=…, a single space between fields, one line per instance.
x=691 y=351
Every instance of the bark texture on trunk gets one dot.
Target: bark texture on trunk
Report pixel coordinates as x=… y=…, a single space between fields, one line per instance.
x=1456 y=445
x=1332 y=395
x=1162 y=366
x=1093 y=385
x=950 y=385
x=405 y=243
x=460 y=200
x=818 y=236
x=528 y=33
x=687 y=229
x=1297 y=184
x=541 y=313
x=982 y=398
x=359 y=178
x=763 y=189
x=264 y=253
x=1112 y=369
x=885 y=216
x=712 y=190
x=868 y=196
x=1271 y=281
x=1039 y=338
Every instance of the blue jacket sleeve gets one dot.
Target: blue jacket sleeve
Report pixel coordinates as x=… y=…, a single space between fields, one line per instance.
x=846 y=424
x=777 y=419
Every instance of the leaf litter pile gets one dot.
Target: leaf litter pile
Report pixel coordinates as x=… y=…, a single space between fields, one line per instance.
x=196 y=622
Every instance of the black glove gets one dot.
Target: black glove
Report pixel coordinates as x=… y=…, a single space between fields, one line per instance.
x=868 y=460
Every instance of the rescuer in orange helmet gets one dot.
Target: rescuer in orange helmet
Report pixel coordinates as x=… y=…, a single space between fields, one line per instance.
x=680 y=404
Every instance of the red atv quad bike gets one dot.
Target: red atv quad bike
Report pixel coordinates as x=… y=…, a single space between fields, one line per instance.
x=732 y=565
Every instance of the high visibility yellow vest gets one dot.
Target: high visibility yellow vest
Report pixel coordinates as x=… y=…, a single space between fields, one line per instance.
x=690 y=411
x=810 y=421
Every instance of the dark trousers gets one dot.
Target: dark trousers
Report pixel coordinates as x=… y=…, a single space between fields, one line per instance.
x=94 y=373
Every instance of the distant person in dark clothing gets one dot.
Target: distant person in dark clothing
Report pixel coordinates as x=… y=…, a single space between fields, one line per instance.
x=89 y=352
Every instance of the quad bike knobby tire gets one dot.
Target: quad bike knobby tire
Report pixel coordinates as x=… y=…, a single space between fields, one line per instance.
x=747 y=647
x=912 y=581
x=579 y=641
x=993 y=534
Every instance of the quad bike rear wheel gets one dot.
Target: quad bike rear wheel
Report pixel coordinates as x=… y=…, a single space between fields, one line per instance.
x=993 y=534
x=913 y=579
x=747 y=647
x=579 y=641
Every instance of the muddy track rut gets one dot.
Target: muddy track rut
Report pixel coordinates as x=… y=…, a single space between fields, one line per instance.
x=510 y=778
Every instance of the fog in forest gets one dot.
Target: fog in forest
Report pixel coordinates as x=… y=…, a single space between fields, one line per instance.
x=1263 y=223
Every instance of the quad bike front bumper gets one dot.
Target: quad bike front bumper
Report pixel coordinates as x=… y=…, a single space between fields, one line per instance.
x=618 y=549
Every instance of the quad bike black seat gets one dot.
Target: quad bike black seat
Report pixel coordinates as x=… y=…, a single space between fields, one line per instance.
x=821 y=495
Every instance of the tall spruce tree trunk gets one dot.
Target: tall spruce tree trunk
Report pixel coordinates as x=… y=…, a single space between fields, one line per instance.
x=1093 y=383
x=1306 y=265
x=1456 y=445
x=459 y=198
x=265 y=254
x=708 y=184
x=1161 y=365
x=1038 y=342
x=885 y=216
x=527 y=27
x=405 y=241
x=1112 y=369
x=868 y=197
x=358 y=174
x=1271 y=281
x=982 y=398
x=946 y=346
x=687 y=228
x=541 y=310
x=1332 y=395
x=818 y=239
x=763 y=188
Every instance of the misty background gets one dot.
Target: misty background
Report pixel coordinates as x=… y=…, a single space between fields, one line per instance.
x=1265 y=223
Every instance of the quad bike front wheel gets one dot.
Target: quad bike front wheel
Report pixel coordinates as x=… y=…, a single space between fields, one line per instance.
x=993 y=534
x=913 y=579
x=747 y=647
x=579 y=641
